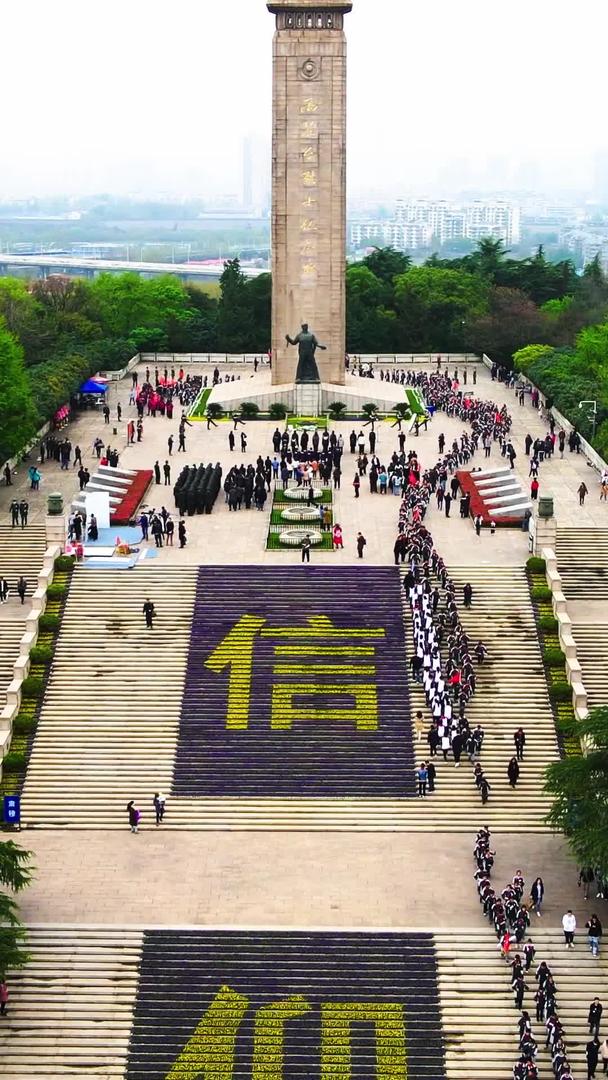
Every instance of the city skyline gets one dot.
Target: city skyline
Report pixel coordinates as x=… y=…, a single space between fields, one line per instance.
x=141 y=102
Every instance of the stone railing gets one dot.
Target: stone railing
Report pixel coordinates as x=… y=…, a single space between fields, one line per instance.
x=116 y=376
x=574 y=672
x=29 y=639
x=181 y=359
x=591 y=455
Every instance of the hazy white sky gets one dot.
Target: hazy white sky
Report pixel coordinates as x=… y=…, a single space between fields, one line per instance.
x=158 y=94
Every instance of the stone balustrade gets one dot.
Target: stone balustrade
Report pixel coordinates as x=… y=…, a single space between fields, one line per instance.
x=566 y=639
x=22 y=663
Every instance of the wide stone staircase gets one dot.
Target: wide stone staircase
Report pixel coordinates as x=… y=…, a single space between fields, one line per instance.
x=582 y=558
x=128 y=1003
x=130 y=711
x=511 y=692
x=70 y=1010
x=21 y=552
x=477 y=1008
x=109 y=722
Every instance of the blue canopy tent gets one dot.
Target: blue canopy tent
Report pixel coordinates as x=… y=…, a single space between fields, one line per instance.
x=91 y=387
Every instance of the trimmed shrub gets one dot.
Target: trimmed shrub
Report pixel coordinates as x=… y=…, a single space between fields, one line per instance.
x=336 y=409
x=560 y=691
x=542 y=593
x=554 y=658
x=536 y=565
x=548 y=624
x=41 y=654
x=48 y=621
x=13 y=762
x=22 y=724
x=249 y=410
x=214 y=411
x=32 y=687
x=65 y=562
x=56 y=590
x=277 y=411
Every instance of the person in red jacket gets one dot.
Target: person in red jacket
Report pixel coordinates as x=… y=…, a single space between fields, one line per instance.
x=534 y=486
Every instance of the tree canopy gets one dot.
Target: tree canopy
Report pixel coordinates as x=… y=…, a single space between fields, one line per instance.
x=16 y=873
x=61 y=330
x=579 y=787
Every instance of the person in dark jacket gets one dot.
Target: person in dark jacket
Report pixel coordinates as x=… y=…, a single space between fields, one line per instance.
x=537 y=893
x=592 y=1053
x=595 y=1016
x=21 y=588
x=513 y=772
x=149 y=613
x=594 y=933
x=519 y=739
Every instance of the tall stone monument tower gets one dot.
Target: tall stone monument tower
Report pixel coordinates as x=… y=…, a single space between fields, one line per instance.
x=309 y=182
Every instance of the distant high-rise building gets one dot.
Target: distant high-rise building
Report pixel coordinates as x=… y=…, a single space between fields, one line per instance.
x=469 y=221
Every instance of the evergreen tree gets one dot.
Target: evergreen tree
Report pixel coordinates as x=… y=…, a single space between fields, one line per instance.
x=17 y=412
x=234 y=315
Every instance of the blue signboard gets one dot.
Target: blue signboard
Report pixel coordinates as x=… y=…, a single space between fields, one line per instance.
x=12 y=810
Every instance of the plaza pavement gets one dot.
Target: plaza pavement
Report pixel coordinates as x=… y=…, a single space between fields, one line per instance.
x=240 y=538
x=282 y=879
x=295 y=879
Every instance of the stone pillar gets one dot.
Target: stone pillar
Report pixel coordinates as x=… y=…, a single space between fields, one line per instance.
x=545 y=535
x=309 y=182
x=56 y=529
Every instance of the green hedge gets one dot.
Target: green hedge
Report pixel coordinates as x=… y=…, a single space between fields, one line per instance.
x=542 y=593
x=548 y=624
x=64 y=562
x=48 y=621
x=14 y=761
x=32 y=687
x=554 y=658
x=560 y=691
x=41 y=654
x=56 y=590
x=536 y=565
x=23 y=724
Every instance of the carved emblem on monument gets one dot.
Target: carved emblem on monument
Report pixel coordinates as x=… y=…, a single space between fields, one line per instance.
x=310 y=70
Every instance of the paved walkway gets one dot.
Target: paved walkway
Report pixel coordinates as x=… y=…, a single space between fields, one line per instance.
x=225 y=537
x=294 y=879
x=278 y=879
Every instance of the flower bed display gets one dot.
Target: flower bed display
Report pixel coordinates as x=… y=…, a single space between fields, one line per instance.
x=127 y=508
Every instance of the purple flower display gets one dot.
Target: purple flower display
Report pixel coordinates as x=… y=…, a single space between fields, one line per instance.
x=297 y=1004
x=296 y=685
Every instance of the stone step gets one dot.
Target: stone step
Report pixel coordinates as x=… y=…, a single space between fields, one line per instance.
x=123 y=1002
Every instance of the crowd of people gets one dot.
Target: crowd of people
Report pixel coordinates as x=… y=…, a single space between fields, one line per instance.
x=245 y=485
x=509 y=913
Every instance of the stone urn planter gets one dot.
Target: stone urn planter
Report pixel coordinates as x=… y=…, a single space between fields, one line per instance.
x=54 y=503
x=294 y=537
x=300 y=494
x=300 y=513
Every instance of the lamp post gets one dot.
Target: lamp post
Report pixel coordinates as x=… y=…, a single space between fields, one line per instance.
x=592 y=417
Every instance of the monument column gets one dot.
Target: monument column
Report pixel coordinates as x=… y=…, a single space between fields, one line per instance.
x=309 y=182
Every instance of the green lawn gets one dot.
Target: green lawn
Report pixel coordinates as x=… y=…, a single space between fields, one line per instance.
x=200 y=405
